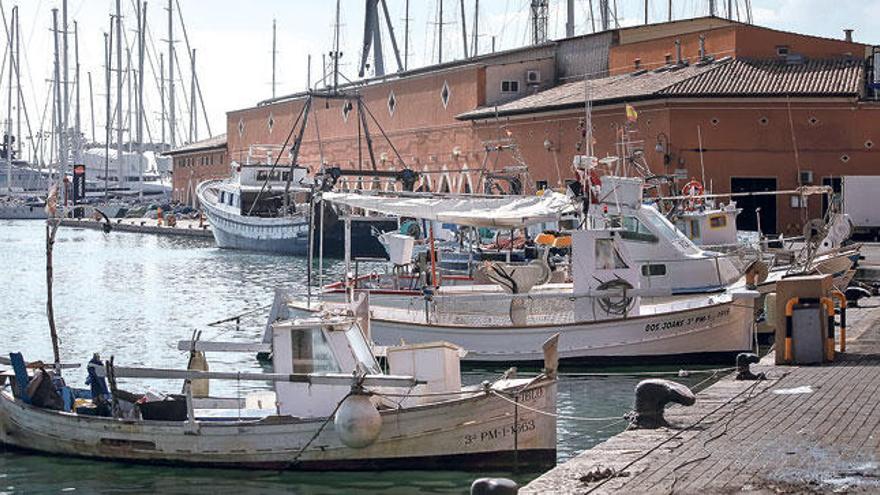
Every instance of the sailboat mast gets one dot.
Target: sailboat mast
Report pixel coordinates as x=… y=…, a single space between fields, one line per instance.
x=464 y=38
x=128 y=93
x=20 y=97
x=122 y=170
x=92 y=106
x=65 y=91
x=77 y=153
x=57 y=120
x=108 y=59
x=440 y=36
x=193 y=109
x=475 y=43
x=406 y=36
x=162 y=96
x=172 y=111
x=274 y=53
x=336 y=51
x=8 y=138
x=142 y=28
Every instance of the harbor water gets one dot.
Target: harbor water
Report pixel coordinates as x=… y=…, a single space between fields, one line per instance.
x=135 y=296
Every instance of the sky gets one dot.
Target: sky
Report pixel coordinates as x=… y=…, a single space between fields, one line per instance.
x=233 y=40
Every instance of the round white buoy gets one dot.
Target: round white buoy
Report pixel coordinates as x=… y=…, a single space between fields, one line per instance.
x=357 y=422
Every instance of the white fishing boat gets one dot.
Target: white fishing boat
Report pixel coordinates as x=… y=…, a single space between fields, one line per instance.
x=666 y=257
x=331 y=408
x=246 y=210
x=599 y=316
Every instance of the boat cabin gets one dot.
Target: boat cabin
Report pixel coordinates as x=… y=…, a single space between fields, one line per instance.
x=260 y=190
x=318 y=346
x=710 y=226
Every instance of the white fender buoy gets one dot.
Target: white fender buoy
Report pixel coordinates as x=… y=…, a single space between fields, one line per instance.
x=357 y=422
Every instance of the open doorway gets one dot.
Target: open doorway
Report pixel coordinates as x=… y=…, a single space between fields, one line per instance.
x=748 y=219
x=835 y=183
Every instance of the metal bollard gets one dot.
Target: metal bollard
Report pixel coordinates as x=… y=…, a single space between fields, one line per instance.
x=651 y=398
x=494 y=486
x=743 y=362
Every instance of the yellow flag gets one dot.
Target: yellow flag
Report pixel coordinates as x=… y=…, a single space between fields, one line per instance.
x=631 y=114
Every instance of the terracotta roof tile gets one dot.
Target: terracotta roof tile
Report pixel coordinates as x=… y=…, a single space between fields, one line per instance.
x=728 y=77
x=775 y=78
x=212 y=142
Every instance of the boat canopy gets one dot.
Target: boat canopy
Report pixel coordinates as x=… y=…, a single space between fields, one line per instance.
x=474 y=211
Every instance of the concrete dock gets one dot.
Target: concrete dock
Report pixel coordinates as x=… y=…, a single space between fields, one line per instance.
x=807 y=429
x=184 y=228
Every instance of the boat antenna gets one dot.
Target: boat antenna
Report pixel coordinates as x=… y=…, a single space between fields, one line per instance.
x=700 y=144
x=336 y=54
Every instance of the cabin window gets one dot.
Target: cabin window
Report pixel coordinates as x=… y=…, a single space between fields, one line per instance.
x=361 y=349
x=275 y=175
x=285 y=176
x=607 y=257
x=262 y=175
x=663 y=226
x=718 y=221
x=510 y=86
x=231 y=199
x=311 y=352
x=695 y=229
x=222 y=196
x=653 y=270
x=633 y=224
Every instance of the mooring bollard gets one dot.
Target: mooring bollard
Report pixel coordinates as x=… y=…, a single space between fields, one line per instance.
x=651 y=398
x=494 y=486
x=743 y=362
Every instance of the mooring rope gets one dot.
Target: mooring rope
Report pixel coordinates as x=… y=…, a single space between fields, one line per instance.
x=552 y=415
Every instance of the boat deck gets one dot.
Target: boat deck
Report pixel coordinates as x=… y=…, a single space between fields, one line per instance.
x=808 y=429
x=184 y=228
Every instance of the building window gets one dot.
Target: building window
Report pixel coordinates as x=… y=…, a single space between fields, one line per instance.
x=392 y=103
x=445 y=93
x=510 y=86
x=782 y=50
x=668 y=58
x=637 y=63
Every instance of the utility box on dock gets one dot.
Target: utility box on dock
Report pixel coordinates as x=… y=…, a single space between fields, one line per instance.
x=802 y=328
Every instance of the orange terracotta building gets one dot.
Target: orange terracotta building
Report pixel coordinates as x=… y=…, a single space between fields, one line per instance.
x=745 y=107
x=197 y=162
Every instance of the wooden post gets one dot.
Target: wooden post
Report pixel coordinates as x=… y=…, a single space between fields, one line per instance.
x=51 y=229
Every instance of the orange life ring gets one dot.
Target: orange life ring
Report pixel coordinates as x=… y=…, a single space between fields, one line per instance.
x=693 y=188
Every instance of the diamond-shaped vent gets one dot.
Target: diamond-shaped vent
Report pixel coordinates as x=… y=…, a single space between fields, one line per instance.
x=392 y=103
x=346 y=110
x=240 y=127
x=271 y=122
x=445 y=94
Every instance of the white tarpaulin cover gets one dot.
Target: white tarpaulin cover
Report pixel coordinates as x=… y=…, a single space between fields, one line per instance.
x=501 y=211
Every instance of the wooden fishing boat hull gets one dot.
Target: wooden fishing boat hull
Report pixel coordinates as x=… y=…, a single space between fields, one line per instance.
x=484 y=431
x=710 y=332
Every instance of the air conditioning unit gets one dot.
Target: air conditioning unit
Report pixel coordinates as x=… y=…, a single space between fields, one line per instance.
x=533 y=77
x=805 y=177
